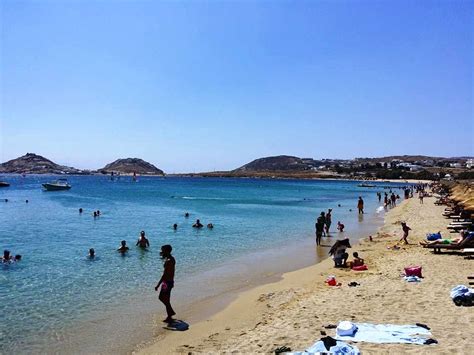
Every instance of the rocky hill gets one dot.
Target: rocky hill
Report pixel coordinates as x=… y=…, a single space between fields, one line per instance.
x=35 y=164
x=130 y=166
x=278 y=163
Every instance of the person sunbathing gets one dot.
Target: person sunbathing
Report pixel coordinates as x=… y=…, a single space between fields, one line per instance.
x=455 y=241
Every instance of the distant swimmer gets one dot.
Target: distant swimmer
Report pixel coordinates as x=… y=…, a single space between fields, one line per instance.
x=17 y=258
x=142 y=241
x=27 y=201
x=175 y=226
x=98 y=213
x=95 y=214
x=123 y=247
x=80 y=210
x=360 y=205
x=210 y=225
x=186 y=215
x=7 y=258
x=167 y=281
x=340 y=226
x=91 y=253
x=198 y=224
x=339 y=205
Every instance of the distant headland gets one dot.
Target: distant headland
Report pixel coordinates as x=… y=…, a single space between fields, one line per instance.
x=281 y=166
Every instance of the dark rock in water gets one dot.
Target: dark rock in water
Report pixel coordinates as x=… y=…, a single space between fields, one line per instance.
x=130 y=166
x=35 y=164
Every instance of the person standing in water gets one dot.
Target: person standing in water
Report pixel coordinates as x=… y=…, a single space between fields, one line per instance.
x=328 y=220
x=142 y=241
x=167 y=281
x=360 y=205
x=320 y=222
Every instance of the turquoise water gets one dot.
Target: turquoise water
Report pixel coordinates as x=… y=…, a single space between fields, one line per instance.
x=55 y=286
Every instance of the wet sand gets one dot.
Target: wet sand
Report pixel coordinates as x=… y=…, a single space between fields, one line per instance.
x=292 y=311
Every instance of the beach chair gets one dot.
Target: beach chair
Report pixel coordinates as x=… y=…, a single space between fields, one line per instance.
x=465 y=244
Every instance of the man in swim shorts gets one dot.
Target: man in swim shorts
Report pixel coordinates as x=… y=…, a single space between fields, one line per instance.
x=167 y=281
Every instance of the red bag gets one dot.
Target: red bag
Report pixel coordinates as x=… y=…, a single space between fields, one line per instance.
x=413 y=271
x=359 y=268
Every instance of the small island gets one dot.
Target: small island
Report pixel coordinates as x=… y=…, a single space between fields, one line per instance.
x=131 y=166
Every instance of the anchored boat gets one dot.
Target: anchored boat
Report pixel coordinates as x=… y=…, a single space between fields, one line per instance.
x=60 y=184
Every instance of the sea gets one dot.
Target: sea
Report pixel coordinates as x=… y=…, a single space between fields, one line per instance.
x=57 y=300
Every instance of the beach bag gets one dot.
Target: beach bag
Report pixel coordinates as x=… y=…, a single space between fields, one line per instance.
x=331 y=281
x=433 y=236
x=346 y=328
x=360 y=268
x=413 y=271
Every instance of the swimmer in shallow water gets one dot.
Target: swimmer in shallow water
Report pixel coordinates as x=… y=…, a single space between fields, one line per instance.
x=7 y=258
x=198 y=224
x=123 y=247
x=210 y=225
x=91 y=253
x=186 y=215
x=175 y=226
x=142 y=241
x=80 y=210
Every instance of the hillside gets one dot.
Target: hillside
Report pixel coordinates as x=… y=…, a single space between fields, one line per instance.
x=35 y=164
x=277 y=163
x=130 y=166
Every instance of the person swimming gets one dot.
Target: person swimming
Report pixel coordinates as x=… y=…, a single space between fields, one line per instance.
x=175 y=226
x=95 y=214
x=91 y=253
x=17 y=258
x=198 y=224
x=80 y=210
x=123 y=247
x=142 y=241
x=7 y=258
x=210 y=225
x=186 y=215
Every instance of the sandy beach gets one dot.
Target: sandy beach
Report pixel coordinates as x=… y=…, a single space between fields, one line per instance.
x=294 y=310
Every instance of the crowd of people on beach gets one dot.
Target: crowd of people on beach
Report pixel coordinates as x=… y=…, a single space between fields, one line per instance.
x=338 y=250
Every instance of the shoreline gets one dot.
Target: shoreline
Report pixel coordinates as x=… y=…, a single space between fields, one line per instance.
x=269 y=273
x=265 y=317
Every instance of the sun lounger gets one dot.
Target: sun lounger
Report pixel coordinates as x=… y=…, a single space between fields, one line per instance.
x=465 y=244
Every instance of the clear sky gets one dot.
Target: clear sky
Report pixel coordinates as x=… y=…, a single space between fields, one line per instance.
x=210 y=85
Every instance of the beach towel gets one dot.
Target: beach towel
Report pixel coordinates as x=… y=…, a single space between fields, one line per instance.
x=340 y=348
x=388 y=333
x=433 y=236
x=412 y=279
x=462 y=296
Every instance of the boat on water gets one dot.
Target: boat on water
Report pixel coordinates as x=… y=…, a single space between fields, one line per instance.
x=367 y=185
x=4 y=184
x=60 y=184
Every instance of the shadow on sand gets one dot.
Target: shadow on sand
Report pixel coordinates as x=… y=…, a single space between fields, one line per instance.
x=177 y=325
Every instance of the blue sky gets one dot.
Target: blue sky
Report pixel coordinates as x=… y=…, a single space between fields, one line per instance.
x=206 y=85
